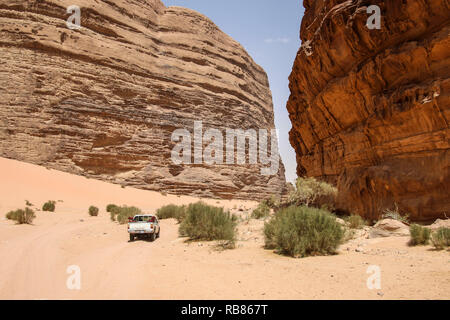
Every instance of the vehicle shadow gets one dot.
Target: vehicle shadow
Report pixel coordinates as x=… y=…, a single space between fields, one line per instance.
x=143 y=239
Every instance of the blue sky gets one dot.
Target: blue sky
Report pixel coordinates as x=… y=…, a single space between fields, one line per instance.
x=269 y=31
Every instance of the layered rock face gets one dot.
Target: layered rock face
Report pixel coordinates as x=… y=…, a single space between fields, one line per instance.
x=103 y=101
x=370 y=109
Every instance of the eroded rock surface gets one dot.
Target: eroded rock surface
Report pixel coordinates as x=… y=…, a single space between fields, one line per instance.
x=370 y=109
x=103 y=101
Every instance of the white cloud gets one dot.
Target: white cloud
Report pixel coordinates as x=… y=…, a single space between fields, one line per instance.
x=277 y=40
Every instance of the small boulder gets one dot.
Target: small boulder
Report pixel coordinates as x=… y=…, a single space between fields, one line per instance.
x=389 y=228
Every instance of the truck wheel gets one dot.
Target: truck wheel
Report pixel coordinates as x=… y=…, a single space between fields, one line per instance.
x=131 y=237
x=159 y=231
x=153 y=236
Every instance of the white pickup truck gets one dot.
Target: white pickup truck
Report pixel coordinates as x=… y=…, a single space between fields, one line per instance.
x=146 y=225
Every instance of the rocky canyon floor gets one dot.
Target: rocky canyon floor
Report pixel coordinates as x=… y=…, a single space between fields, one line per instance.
x=35 y=258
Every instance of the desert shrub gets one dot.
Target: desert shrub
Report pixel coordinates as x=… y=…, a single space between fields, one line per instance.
x=273 y=202
x=328 y=206
x=289 y=187
x=22 y=216
x=441 y=238
x=395 y=214
x=121 y=214
x=308 y=190
x=28 y=203
x=419 y=235
x=93 y=211
x=204 y=222
x=26 y=217
x=127 y=212
x=303 y=231
x=262 y=211
x=12 y=215
x=181 y=215
x=171 y=211
x=355 y=222
x=114 y=212
x=111 y=207
x=49 y=206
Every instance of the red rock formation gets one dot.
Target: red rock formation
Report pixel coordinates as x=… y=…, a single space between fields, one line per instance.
x=104 y=100
x=370 y=109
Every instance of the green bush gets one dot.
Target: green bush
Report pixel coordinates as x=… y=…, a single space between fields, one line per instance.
x=22 y=216
x=111 y=207
x=356 y=222
x=12 y=215
x=273 y=202
x=171 y=211
x=127 y=212
x=303 y=231
x=93 y=211
x=121 y=214
x=441 y=238
x=308 y=190
x=204 y=222
x=262 y=211
x=49 y=206
x=419 y=235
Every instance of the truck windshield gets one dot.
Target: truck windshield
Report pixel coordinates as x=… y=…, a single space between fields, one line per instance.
x=144 y=219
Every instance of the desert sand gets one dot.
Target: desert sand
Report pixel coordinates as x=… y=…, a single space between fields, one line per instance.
x=34 y=258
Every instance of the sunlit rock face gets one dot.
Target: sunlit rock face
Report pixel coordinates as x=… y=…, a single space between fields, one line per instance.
x=104 y=100
x=370 y=108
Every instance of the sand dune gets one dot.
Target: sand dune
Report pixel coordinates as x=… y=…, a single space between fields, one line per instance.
x=34 y=258
x=22 y=181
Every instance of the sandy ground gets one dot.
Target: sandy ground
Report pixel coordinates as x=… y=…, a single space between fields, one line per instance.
x=34 y=258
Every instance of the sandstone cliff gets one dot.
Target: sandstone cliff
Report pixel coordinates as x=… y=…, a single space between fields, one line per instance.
x=370 y=109
x=104 y=100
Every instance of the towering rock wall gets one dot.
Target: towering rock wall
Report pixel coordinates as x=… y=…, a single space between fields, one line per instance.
x=103 y=101
x=370 y=109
